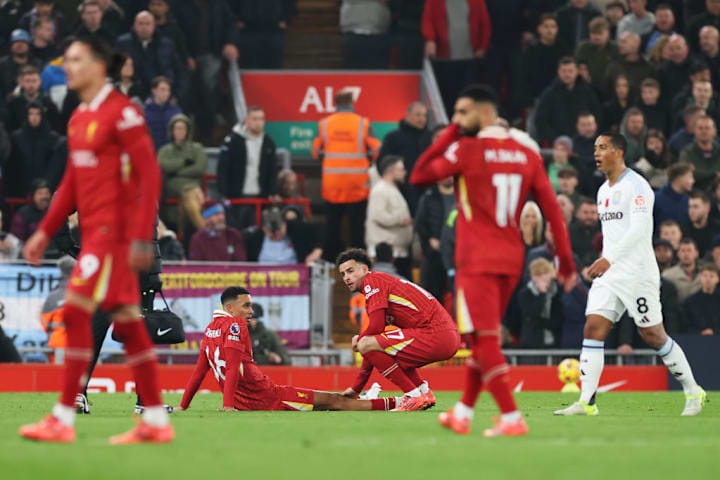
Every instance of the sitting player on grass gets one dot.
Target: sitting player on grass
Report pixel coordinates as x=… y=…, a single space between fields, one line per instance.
x=226 y=349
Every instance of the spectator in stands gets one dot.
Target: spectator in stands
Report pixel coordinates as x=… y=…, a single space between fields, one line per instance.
x=30 y=92
x=247 y=167
x=364 y=25
x=531 y=225
x=560 y=103
x=434 y=207
x=710 y=51
x=701 y=309
x=170 y=248
x=702 y=229
x=583 y=231
x=310 y=235
x=656 y=160
x=10 y=245
x=698 y=72
x=113 y=17
x=534 y=76
x=567 y=178
x=541 y=307
x=262 y=27
x=167 y=26
x=43 y=46
x=664 y=25
x=287 y=184
x=656 y=115
x=409 y=141
x=573 y=21
x=686 y=135
x=4 y=148
x=715 y=198
x=28 y=217
x=566 y=207
x=345 y=141
x=153 y=55
x=280 y=241
x=126 y=84
x=620 y=100
x=268 y=348
x=598 y=52
x=631 y=64
x=684 y=275
x=160 y=108
x=703 y=153
x=34 y=148
x=211 y=26
x=44 y=9
x=584 y=153
x=10 y=64
x=673 y=73
x=634 y=130
x=10 y=13
x=546 y=251
x=458 y=37
x=183 y=163
x=710 y=16
x=91 y=22
x=671 y=201
x=659 y=52
x=670 y=230
x=614 y=12
x=407 y=17
x=559 y=158
x=385 y=260
x=388 y=215
x=664 y=254
x=216 y=242
x=638 y=21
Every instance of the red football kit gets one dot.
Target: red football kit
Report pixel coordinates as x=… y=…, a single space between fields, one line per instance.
x=494 y=176
x=425 y=332
x=226 y=349
x=113 y=180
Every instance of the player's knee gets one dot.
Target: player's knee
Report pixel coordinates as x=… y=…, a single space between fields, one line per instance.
x=596 y=329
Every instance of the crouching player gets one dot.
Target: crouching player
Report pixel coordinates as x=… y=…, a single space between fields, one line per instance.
x=226 y=349
x=426 y=333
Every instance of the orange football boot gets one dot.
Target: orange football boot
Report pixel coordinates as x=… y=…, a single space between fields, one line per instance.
x=144 y=433
x=49 y=429
x=410 y=404
x=506 y=429
x=448 y=420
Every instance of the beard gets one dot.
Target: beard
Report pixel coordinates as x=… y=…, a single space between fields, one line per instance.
x=469 y=132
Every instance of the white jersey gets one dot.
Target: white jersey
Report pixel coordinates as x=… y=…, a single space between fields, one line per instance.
x=626 y=212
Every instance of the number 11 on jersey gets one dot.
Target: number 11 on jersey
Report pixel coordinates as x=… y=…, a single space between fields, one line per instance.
x=507 y=186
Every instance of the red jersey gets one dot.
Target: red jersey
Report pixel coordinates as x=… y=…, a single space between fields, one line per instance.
x=226 y=349
x=112 y=176
x=405 y=304
x=494 y=176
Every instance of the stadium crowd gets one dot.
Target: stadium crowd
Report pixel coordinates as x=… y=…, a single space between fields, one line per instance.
x=565 y=71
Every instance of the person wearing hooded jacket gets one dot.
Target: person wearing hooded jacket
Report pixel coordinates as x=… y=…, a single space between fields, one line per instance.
x=183 y=163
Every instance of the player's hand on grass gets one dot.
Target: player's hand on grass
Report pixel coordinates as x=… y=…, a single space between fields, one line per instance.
x=142 y=256
x=599 y=266
x=355 y=343
x=350 y=393
x=35 y=247
x=179 y=408
x=227 y=409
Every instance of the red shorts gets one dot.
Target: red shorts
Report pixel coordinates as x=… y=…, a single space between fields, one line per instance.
x=417 y=347
x=482 y=300
x=291 y=398
x=103 y=273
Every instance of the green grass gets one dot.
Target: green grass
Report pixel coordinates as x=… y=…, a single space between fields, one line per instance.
x=637 y=435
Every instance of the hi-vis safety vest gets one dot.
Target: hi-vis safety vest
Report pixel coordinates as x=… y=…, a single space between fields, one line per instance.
x=345 y=144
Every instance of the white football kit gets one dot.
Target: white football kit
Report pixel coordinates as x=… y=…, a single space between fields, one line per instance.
x=633 y=280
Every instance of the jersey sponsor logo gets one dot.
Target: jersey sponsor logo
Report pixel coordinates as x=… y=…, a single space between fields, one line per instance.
x=371 y=293
x=130 y=119
x=213 y=333
x=367 y=288
x=234 y=338
x=84 y=159
x=604 y=217
x=235 y=329
x=505 y=156
x=617 y=196
x=160 y=332
x=450 y=153
x=640 y=201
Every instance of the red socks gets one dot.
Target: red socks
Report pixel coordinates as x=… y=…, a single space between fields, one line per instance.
x=387 y=403
x=141 y=358
x=494 y=371
x=414 y=376
x=389 y=369
x=78 y=353
x=473 y=385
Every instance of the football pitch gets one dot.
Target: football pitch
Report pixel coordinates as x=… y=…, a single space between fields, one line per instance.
x=637 y=435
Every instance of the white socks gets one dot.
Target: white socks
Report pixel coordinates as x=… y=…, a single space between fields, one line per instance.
x=156 y=416
x=511 y=417
x=65 y=414
x=415 y=392
x=674 y=359
x=462 y=411
x=424 y=387
x=592 y=361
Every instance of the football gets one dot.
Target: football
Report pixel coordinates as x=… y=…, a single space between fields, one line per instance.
x=569 y=370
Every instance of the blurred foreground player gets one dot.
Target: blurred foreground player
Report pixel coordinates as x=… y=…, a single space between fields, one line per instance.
x=626 y=277
x=495 y=171
x=226 y=349
x=426 y=333
x=112 y=179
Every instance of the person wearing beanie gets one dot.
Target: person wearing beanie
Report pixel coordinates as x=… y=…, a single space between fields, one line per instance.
x=217 y=242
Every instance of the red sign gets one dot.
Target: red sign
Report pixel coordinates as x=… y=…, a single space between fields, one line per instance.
x=305 y=97
x=118 y=378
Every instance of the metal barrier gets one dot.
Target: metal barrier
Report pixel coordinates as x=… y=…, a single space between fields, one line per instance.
x=321 y=285
x=430 y=95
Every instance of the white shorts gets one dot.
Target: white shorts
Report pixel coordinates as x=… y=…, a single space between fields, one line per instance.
x=642 y=304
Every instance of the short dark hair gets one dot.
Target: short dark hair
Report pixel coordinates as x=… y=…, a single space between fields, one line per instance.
x=567 y=171
x=616 y=4
x=160 y=79
x=617 y=140
x=566 y=60
x=585 y=113
x=669 y=223
x=633 y=111
x=679 y=169
x=254 y=108
x=700 y=195
x=480 y=93
x=547 y=16
x=708 y=267
x=28 y=70
x=384 y=252
x=691 y=110
x=583 y=200
x=344 y=98
x=598 y=24
x=231 y=293
x=357 y=254
x=386 y=162
x=102 y=51
x=88 y=3
x=688 y=241
x=650 y=83
x=664 y=6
